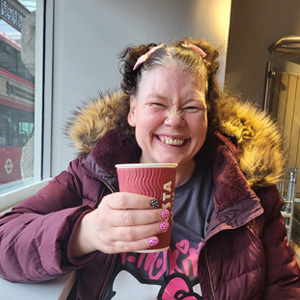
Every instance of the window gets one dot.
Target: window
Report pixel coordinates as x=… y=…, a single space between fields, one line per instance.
x=21 y=46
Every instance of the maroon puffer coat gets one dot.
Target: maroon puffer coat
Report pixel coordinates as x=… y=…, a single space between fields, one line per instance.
x=245 y=255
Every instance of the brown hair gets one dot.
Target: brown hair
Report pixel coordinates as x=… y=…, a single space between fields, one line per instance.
x=174 y=55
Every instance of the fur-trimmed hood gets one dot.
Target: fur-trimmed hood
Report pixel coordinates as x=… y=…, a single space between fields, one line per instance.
x=258 y=140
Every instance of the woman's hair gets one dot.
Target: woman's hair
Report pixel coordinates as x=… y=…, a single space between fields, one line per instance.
x=176 y=55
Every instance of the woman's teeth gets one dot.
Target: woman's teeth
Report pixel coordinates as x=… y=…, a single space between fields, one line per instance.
x=170 y=141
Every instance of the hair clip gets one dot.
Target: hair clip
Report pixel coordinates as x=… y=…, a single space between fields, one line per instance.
x=194 y=47
x=145 y=56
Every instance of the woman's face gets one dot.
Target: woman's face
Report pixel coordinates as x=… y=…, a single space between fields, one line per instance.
x=169 y=113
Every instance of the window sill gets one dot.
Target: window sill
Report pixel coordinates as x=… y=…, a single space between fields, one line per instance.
x=10 y=199
x=50 y=290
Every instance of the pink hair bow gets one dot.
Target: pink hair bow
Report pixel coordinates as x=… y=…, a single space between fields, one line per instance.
x=145 y=56
x=196 y=48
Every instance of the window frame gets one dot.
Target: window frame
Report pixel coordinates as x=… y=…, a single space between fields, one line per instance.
x=43 y=109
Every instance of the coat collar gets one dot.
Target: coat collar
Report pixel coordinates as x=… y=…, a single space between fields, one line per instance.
x=112 y=149
x=235 y=201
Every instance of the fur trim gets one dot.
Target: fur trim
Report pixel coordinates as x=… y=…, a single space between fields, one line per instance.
x=259 y=143
x=91 y=121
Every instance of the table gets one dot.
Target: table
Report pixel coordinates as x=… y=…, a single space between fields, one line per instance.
x=49 y=290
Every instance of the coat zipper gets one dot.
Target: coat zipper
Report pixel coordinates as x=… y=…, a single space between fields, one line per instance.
x=98 y=178
x=112 y=265
x=212 y=294
x=108 y=276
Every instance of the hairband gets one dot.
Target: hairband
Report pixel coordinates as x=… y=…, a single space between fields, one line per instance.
x=198 y=50
x=146 y=56
x=194 y=47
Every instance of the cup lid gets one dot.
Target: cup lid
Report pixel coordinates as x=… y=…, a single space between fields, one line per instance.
x=146 y=165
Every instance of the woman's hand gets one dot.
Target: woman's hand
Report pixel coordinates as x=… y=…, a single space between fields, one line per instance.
x=123 y=222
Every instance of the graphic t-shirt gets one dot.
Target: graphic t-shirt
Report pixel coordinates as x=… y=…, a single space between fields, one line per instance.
x=173 y=273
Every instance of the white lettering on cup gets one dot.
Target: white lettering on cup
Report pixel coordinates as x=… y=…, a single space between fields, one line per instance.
x=167 y=187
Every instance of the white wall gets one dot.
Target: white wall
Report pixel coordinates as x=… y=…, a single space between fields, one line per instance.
x=88 y=35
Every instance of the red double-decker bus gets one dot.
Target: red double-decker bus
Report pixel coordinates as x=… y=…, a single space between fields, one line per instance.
x=16 y=108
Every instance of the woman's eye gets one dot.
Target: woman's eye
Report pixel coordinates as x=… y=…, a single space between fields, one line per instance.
x=157 y=104
x=191 y=108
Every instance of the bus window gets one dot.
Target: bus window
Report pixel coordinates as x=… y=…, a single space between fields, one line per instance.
x=10 y=60
x=7 y=58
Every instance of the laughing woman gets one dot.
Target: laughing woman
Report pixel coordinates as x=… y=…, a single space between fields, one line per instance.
x=228 y=236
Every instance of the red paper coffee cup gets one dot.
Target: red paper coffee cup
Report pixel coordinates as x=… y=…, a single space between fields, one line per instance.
x=156 y=180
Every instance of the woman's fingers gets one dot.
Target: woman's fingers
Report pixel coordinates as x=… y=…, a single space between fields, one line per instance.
x=134 y=233
x=121 y=246
x=132 y=217
x=125 y=222
x=126 y=209
x=123 y=200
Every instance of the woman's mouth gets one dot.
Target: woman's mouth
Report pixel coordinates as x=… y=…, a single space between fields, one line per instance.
x=171 y=141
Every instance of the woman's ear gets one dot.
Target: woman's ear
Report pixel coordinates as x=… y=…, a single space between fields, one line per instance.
x=132 y=111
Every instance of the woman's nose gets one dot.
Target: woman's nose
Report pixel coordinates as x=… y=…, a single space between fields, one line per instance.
x=175 y=119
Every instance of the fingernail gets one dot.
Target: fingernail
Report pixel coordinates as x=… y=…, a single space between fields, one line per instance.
x=164 y=226
x=153 y=242
x=154 y=203
x=165 y=214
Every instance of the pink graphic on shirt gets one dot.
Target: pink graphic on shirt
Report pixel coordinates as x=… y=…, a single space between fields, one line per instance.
x=182 y=259
x=169 y=275
x=178 y=289
x=183 y=246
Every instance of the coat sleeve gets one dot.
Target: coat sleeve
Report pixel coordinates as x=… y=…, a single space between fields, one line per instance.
x=35 y=234
x=282 y=271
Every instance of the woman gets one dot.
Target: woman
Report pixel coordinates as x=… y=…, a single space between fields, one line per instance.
x=228 y=236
